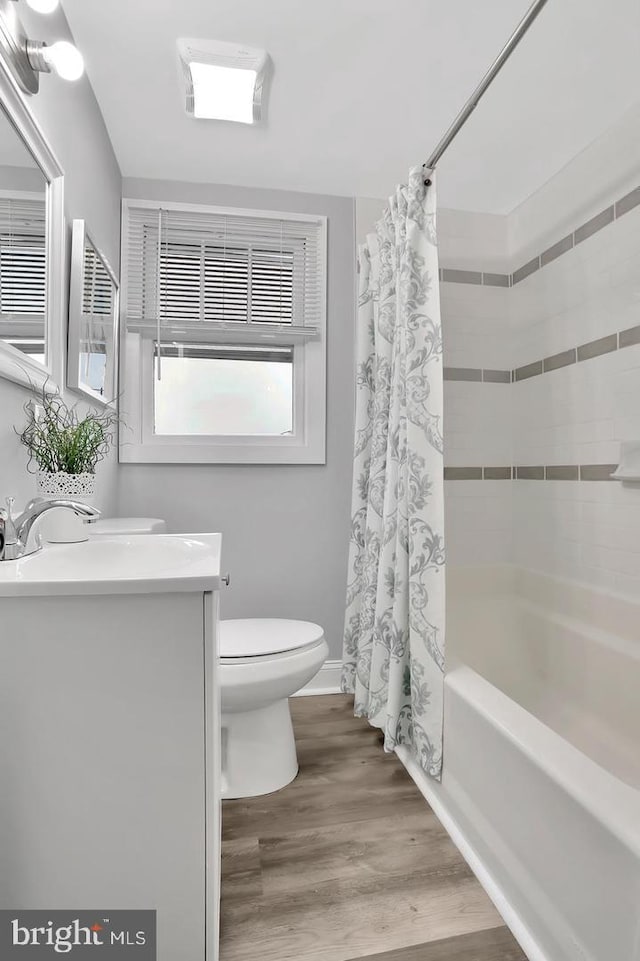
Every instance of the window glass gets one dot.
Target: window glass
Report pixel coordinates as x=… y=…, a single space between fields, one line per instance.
x=224 y=390
x=93 y=367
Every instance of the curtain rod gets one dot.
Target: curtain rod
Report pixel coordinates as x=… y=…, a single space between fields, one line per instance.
x=484 y=84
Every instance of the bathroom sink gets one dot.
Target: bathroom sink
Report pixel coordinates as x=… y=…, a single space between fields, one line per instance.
x=139 y=563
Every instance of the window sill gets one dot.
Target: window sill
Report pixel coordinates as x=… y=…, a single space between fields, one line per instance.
x=221 y=454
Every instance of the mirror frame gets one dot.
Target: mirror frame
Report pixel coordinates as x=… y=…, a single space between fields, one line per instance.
x=15 y=365
x=79 y=238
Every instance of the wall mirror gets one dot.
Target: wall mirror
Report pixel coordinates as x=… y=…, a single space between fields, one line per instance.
x=23 y=246
x=93 y=320
x=31 y=246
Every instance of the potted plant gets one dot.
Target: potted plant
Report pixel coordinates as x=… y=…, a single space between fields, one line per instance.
x=65 y=446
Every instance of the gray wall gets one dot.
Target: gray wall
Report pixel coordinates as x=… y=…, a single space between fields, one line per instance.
x=70 y=118
x=21 y=178
x=285 y=529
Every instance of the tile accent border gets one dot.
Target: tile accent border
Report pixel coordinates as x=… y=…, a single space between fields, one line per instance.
x=603 y=345
x=481 y=278
x=530 y=473
x=596 y=472
x=568 y=472
x=477 y=374
x=556 y=361
x=577 y=355
x=574 y=355
x=497 y=473
x=529 y=370
x=463 y=473
x=583 y=232
x=549 y=472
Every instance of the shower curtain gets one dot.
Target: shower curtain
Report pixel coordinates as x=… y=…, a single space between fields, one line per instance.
x=393 y=659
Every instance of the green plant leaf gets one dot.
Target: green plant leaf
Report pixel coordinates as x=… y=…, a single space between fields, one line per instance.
x=61 y=440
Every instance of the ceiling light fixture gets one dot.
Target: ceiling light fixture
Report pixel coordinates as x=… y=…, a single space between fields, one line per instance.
x=43 y=6
x=61 y=57
x=223 y=81
x=28 y=58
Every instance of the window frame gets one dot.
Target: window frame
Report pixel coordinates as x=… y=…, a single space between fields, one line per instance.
x=306 y=445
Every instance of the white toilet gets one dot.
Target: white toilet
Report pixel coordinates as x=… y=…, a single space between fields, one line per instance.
x=263 y=661
x=127 y=525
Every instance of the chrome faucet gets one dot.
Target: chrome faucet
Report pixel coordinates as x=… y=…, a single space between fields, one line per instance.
x=18 y=537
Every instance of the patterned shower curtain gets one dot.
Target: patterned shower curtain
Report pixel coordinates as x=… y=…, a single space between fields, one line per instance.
x=394 y=626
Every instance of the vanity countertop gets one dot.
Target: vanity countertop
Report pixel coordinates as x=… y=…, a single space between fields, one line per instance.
x=122 y=564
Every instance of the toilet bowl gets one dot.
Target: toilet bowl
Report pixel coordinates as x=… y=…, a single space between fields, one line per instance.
x=263 y=661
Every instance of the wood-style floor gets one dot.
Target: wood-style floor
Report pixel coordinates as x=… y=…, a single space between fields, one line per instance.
x=348 y=862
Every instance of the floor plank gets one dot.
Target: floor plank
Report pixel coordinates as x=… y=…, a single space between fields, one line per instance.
x=241 y=870
x=379 y=848
x=494 y=944
x=348 y=861
x=339 y=920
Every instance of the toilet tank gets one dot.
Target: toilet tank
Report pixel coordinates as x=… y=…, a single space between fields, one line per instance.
x=127 y=525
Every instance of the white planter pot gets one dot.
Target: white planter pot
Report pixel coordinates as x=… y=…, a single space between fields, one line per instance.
x=61 y=484
x=63 y=526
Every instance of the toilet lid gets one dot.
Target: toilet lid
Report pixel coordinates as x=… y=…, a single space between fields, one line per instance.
x=252 y=637
x=128 y=525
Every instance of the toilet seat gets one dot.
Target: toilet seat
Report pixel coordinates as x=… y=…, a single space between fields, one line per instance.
x=247 y=639
x=262 y=663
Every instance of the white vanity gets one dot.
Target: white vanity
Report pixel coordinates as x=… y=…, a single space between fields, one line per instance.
x=109 y=721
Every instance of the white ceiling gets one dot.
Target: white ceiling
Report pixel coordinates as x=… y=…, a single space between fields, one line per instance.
x=362 y=89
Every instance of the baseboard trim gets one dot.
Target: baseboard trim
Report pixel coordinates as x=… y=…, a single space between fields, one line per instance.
x=326 y=681
x=430 y=791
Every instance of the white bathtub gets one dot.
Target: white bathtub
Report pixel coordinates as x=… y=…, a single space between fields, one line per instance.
x=541 y=780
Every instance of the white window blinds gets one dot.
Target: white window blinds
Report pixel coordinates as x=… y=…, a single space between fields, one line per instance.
x=97 y=289
x=97 y=306
x=23 y=267
x=203 y=270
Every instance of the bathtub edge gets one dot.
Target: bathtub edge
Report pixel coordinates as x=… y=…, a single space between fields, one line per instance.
x=494 y=890
x=495 y=706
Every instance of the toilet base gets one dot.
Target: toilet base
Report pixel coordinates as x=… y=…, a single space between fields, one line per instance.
x=258 y=751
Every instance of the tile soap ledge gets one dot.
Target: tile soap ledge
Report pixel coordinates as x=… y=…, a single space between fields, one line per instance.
x=628 y=471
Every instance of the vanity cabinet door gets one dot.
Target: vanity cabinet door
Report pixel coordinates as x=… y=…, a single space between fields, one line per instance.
x=103 y=731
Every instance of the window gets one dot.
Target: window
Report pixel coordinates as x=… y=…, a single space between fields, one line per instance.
x=23 y=273
x=224 y=354
x=225 y=391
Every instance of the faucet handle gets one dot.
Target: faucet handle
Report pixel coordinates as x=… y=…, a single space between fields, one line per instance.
x=10 y=535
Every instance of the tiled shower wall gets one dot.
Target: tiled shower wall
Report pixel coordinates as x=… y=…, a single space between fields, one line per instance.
x=477 y=421
x=568 y=329
x=583 y=309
